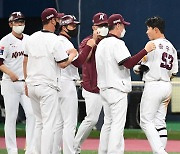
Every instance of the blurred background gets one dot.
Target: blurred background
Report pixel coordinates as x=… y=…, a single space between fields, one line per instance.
x=134 y=11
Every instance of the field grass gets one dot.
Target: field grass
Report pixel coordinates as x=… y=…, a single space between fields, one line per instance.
x=173 y=132
x=94 y=152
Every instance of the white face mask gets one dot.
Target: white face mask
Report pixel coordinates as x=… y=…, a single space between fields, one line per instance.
x=123 y=33
x=18 y=29
x=102 y=31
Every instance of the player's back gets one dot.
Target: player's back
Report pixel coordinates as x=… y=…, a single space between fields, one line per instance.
x=110 y=51
x=70 y=72
x=42 y=68
x=162 y=62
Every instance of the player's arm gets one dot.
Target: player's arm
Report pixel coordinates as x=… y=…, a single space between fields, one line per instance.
x=65 y=62
x=85 y=51
x=25 y=72
x=6 y=70
x=25 y=66
x=132 y=61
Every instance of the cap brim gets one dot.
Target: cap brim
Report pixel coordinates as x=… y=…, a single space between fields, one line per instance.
x=126 y=23
x=76 y=22
x=16 y=19
x=100 y=23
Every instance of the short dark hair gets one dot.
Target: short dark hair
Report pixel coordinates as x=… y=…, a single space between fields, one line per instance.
x=112 y=27
x=157 y=22
x=45 y=22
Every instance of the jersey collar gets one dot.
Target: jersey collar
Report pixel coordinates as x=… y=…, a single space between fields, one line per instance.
x=46 y=31
x=112 y=35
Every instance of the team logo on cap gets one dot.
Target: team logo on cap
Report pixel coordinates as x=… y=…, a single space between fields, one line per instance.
x=18 y=13
x=50 y=16
x=116 y=21
x=101 y=17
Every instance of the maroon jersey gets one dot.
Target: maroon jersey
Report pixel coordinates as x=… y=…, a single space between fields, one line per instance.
x=89 y=73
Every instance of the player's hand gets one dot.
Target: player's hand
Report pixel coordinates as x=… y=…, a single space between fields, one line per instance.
x=150 y=46
x=13 y=77
x=72 y=52
x=26 y=90
x=92 y=42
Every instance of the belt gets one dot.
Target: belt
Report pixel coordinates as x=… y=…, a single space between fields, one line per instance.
x=21 y=80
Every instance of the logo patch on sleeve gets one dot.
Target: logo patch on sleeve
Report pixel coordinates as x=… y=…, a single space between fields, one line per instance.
x=1 y=50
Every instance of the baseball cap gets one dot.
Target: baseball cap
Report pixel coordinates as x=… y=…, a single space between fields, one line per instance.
x=48 y=14
x=60 y=15
x=16 y=16
x=117 y=18
x=68 y=19
x=100 y=18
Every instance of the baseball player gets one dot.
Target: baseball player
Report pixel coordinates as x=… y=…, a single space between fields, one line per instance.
x=162 y=64
x=12 y=85
x=68 y=96
x=90 y=90
x=45 y=54
x=59 y=16
x=113 y=62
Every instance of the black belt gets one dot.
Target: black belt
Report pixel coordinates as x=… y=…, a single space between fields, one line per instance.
x=21 y=80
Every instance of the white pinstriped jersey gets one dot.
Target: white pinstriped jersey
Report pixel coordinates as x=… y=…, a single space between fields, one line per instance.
x=70 y=72
x=12 y=51
x=111 y=51
x=162 y=62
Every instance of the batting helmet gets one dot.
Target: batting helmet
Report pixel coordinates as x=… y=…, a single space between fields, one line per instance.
x=16 y=16
x=68 y=19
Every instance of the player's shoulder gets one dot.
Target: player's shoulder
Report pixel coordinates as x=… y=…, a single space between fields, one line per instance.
x=84 y=41
x=65 y=41
x=44 y=36
x=62 y=38
x=112 y=40
x=163 y=43
x=6 y=39
x=25 y=35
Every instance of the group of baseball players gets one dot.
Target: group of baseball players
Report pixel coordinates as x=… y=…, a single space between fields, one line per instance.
x=40 y=72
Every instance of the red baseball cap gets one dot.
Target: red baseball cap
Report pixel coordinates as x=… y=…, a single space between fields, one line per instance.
x=117 y=18
x=100 y=18
x=16 y=16
x=48 y=14
x=68 y=19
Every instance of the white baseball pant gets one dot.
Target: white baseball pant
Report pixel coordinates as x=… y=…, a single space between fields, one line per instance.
x=93 y=109
x=115 y=108
x=66 y=124
x=153 y=109
x=44 y=103
x=13 y=94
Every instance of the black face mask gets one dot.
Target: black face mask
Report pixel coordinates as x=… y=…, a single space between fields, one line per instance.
x=73 y=33
x=57 y=28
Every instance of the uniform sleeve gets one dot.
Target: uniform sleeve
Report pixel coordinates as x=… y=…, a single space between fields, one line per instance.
x=121 y=52
x=175 y=63
x=84 y=51
x=3 y=49
x=59 y=52
x=25 y=46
